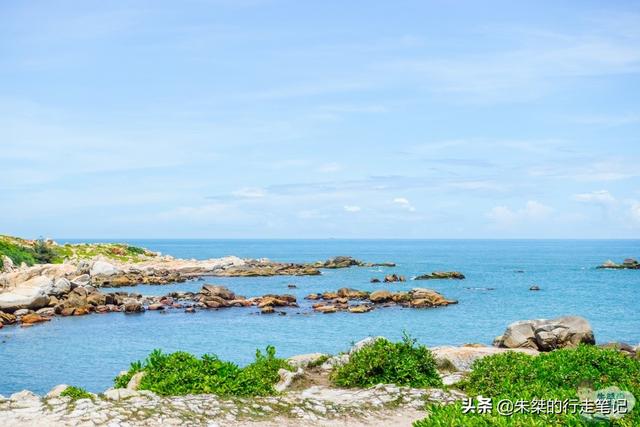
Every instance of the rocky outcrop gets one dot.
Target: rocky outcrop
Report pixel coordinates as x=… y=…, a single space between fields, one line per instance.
x=547 y=335
x=441 y=275
x=460 y=359
x=331 y=302
x=391 y=278
x=31 y=295
x=627 y=264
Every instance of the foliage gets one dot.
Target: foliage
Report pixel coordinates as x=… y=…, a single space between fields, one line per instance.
x=383 y=362
x=555 y=375
x=181 y=373
x=76 y=393
x=43 y=253
x=16 y=252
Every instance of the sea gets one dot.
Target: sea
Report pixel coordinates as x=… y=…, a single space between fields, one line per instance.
x=89 y=351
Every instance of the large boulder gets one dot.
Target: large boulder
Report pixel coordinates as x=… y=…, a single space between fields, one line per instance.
x=31 y=295
x=103 y=268
x=217 y=291
x=454 y=359
x=547 y=335
x=380 y=296
x=60 y=287
x=6 y=263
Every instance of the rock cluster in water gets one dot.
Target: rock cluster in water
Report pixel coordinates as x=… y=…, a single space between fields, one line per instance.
x=627 y=264
x=441 y=275
x=356 y=301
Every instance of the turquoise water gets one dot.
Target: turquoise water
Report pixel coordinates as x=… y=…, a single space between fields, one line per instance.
x=89 y=351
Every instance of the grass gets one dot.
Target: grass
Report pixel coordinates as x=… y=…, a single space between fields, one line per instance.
x=42 y=252
x=555 y=375
x=182 y=373
x=383 y=362
x=76 y=393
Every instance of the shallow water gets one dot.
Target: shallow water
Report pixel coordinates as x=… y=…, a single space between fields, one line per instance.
x=89 y=351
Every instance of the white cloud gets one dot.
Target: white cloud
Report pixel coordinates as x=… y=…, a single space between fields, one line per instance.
x=404 y=203
x=352 y=208
x=600 y=197
x=532 y=211
x=250 y=193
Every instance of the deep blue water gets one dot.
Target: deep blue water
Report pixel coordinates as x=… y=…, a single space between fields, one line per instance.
x=89 y=351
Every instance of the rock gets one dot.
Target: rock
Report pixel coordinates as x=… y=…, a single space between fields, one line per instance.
x=360 y=308
x=364 y=343
x=421 y=298
x=133 y=306
x=455 y=359
x=268 y=309
x=217 y=291
x=120 y=394
x=7 y=319
x=47 y=311
x=190 y=310
x=287 y=378
x=441 y=275
x=452 y=379
x=374 y=280
x=340 y=262
x=547 y=335
x=56 y=391
x=31 y=294
x=96 y=298
x=155 y=306
x=60 y=287
x=393 y=278
x=621 y=347
x=7 y=264
x=82 y=280
x=629 y=264
x=304 y=360
x=534 y=288
x=335 y=361
x=24 y=396
x=22 y=312
x=80 y=311
x=326 y=309
x=30 y=319
x=134 y=382
x=291 y=286
x=352 y=293
x=380 y=296
x=103 y=268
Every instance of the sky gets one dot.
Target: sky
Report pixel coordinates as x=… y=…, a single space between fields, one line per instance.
x=331 y=119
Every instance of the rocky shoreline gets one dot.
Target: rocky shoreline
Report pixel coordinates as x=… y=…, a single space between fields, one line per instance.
x=305 y=395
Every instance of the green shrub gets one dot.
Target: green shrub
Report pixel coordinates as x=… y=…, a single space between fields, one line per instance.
x=42 y=253
x=182 y=373
x=76 y=393
x=17 y=253
x=555 y=375
x=384 y=362
x=134 y=250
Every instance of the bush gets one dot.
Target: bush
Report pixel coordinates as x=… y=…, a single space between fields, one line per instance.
x=17 y=253
x=43 y=253
x=134 y=250
x=76 y=393
x=182 y=373
x=555 y=375
x=384 y=362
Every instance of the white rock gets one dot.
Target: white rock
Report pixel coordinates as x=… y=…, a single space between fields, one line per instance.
x=60 y=287
x=461 y=358
x=304 y=360
x=365 y=342
x=335 y=361
x=287 y=378
x=103 y=268
x=30 y=294
x=120 y=393
x=24 y=396
x=134 y=382
x=7 y=264
x=57 y=391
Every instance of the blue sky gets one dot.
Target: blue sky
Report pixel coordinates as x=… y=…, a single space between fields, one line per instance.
x=289 y=119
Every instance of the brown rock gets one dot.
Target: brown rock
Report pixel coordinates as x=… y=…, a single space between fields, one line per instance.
x=30 y=319
x=268 y=309
x=325 y=309
x=352 y=293
x=155 y=306
x=80 y=311
x=360 y=308
x=7 y=318
x=218 y=291
x=381 y=296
